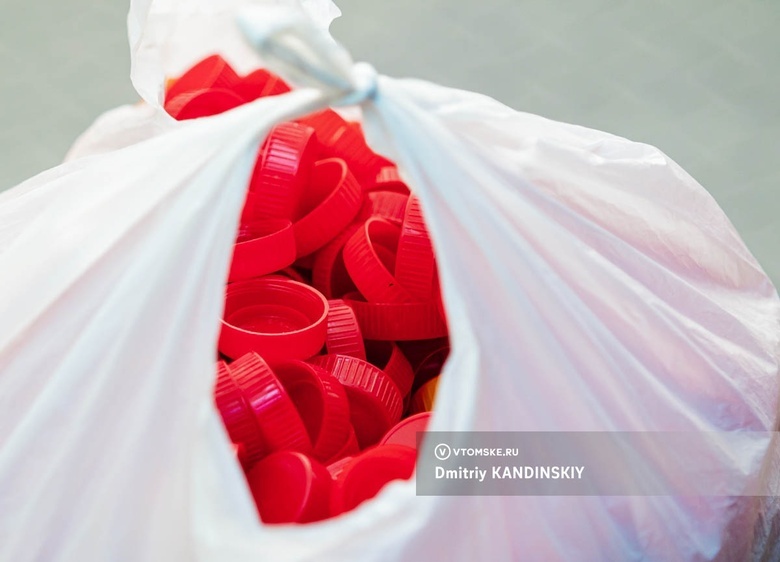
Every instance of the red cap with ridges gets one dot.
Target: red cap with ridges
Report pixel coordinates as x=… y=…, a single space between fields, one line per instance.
x=340 y=139
x=279 y=422
x=388 y=205
x=262 y=247
x=211 y=72
x=343 y=337
x=397 y=321
x=282 y=170
x=329 y=274
x=289 y=487
x=388 y=180
x=237 y=416
x=415 y=266
x=374 y=400
x=321 y=402
x=366 y=475
x=260 y=83
x=279 y=318
x=388 y=357
x=405 y=432
x=371 y=274
x=335 y=212
x=202 y=103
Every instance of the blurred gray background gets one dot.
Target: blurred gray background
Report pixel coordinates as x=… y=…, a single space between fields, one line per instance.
x=698 y=78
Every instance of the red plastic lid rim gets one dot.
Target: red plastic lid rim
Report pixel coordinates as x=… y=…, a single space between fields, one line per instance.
x=211 y=72
x=360 y=375
x=415 y=265
x=202 y=103
x=330 y=429
x=282 y=295
x=397 y=321
x=264 y=246
x=343 y=335
x=338 y=209
x=388 y=205
x=329 y=271
x=237 y=416
x=282 y=169
x=276 y=415
x=363 y=260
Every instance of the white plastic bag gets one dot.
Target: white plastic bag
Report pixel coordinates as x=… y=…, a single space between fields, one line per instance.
x=590 y=284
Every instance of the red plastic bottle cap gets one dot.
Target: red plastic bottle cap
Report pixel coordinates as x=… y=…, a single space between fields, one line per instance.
x=369 y=259
x=415 y=266
x=282 y=170
x=343 y=336
x=405 y=432
x=397 y=321
x=260 y=83
x=211 y=72
x=388 y=180
x=202 y=103
x=348 y=448
x=321 y=402
x=337 y=467
x=388 y=205
x=430 y=367
x=281 y=427
x=329 y=274
x=334 y=212
x=262 y=247
x=388 y=357
x=366 y=475
x=424 y=397
x=238 y=417
x=289 y=487
x=374 y=400
x=340 y=139
x=280 y=319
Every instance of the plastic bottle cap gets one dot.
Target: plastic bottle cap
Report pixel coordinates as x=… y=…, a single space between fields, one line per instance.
x=278 y=318
x=388 y=205
x=282 y=171
x=262 y=247
x=374 y=400
x=389 y=357
x=321 y=402
x=348 y=448
x=278 y=420
x=258 y=84
x=405 y=432
x=343 y=336
x=424 y=398
x=334 y=212
x=388 y=179
x=211 y=72
x=337 y=467
x=289 y=487
x=329 y=274
x=344 y=141
x=363 y=258
x=202 y=103
x=238 y=417
x=397 y=321
x=366 y=474
x=415 y=265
